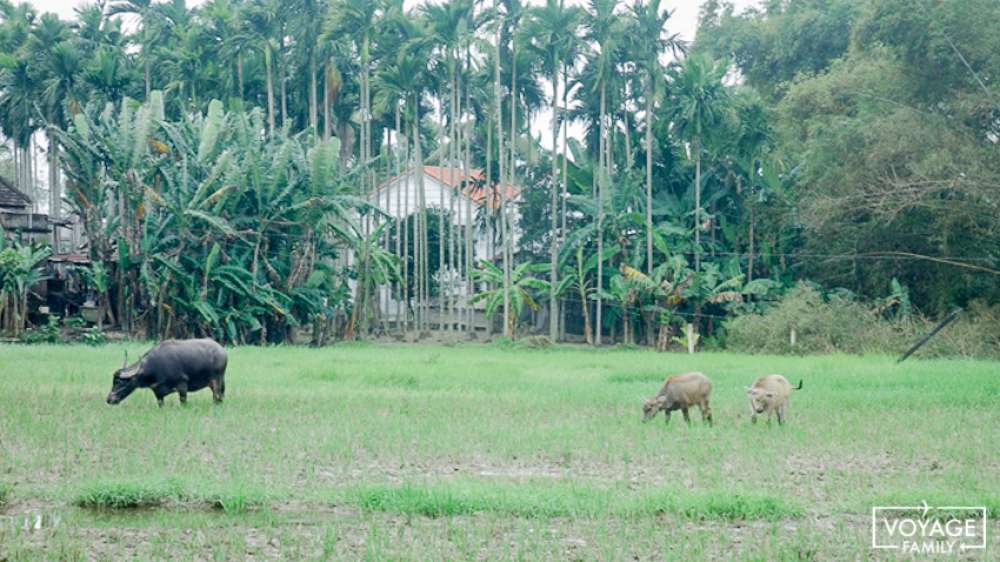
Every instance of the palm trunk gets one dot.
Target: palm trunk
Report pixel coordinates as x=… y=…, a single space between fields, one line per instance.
x=629 y=162
x=697 y=204
x=503 y=205
x=425 y=277
x=400 y=230
x=588 y=332
x=442 y=297
x=453 y=200
x=490 y=210
x=283 y=82
x=602 y=173
x=750 y=242
x=553 y=216
x=313 y=110
x=697 y=222
x=366 y=144
x=565 y=178
x=239 y=74
x=626 y=326
x=147 y=75
x=649 y=179
x=469 y=229
x=508 y=244
x=327 y=102
x=270 y=89
x=55 y=197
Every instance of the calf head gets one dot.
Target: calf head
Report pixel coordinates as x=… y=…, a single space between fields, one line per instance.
x=759 y=399
x=124 y=382
x=652 y=406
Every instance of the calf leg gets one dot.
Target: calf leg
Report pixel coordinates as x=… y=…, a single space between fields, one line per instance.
x=666 y=414
x=781 y=414
x=706 y=412
x=687 y=418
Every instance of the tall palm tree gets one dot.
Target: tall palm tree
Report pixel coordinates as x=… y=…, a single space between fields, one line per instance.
x=606 y=31
x=447 y=24
x=310 y=18
x=551 y=30
x=650 y=41
x=755 y=167
x=148 y=33
x=357 y=20
x=698 y=104
x=407 y=78
x=227 y=40
x=58 y=68
x=499 y=22
x=261 y=20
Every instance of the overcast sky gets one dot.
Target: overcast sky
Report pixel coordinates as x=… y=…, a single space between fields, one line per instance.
x=684 y=21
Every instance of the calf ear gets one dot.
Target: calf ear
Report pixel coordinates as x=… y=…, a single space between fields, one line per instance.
x=750 y=391
x=770 y=395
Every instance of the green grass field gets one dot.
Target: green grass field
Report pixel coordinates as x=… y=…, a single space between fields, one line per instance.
x=483 y=452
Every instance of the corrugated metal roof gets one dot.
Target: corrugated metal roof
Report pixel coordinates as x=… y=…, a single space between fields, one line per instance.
x=11 y=197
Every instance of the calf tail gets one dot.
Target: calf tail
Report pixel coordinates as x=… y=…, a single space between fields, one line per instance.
x=800 y=385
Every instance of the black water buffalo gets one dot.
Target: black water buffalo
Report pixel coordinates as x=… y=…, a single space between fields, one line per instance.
x=174 y=365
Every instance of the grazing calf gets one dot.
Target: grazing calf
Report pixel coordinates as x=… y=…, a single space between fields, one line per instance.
x=174 y=366
x=770 y=394
x=681 y=392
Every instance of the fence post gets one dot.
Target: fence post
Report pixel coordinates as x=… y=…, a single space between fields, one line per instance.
x=791 y=338
x=690 y=337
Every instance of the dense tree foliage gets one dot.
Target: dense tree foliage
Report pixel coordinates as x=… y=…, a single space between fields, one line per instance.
x=224 y=160
x=890 y=113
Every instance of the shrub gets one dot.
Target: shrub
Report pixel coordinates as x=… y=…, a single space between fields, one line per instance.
x=93 y=336
x=837 y=322
x=46 y=333
x=822 y=325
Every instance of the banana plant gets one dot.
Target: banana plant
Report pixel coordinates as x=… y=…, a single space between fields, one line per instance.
x=624 y=292
x=20 y=269
x=374 y=266
x=576 y=279
x=523 y=287
x=212 y=223
x=666 y=289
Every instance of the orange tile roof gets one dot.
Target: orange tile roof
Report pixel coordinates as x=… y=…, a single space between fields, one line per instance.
x=473 y=184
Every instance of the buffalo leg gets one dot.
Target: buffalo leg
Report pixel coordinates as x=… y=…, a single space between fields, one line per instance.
x=217 y=389
x=182 y=392
x=687 y=417
x=666 y=414
x=159 y=396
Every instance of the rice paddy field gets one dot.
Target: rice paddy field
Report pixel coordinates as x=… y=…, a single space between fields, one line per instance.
x=484 y=452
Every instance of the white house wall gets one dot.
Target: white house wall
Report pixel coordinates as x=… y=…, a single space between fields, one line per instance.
x=399 y=199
